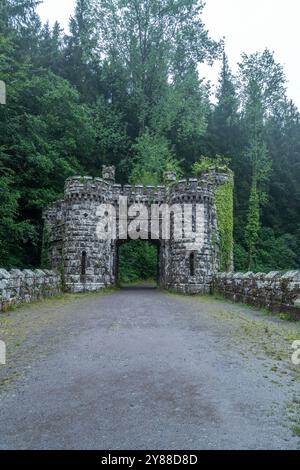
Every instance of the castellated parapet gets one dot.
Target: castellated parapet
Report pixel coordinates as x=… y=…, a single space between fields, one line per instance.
x=88 y=262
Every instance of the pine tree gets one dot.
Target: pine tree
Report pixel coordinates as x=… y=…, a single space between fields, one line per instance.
x=50 y=50
x=262 y=86
x=81 y=60
x=225 y=120
x=253 y=223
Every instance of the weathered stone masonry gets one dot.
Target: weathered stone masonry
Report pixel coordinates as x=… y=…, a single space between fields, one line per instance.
x=87 y=263
x=278 y=292
x=27 y=286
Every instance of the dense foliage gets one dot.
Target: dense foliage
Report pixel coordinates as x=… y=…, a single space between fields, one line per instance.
x=224 y=209
x=123 y=87
x=138 y=260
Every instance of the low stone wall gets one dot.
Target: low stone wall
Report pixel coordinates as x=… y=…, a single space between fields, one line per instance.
x=27 y=286
x=278 y=292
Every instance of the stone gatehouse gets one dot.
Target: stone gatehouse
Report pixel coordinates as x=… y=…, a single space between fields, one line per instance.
x=88 y=263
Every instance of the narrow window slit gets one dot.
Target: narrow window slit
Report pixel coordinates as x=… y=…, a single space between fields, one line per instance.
x=83 y=263
x=192 y=264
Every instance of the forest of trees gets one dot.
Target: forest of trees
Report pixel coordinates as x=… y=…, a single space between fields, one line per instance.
x=123 y=87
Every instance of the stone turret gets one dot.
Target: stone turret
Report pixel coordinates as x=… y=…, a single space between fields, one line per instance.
x=108 y=173
x=215 y=178
x=169 y=177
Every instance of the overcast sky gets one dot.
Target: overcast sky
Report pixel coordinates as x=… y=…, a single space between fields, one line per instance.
x=248 y=26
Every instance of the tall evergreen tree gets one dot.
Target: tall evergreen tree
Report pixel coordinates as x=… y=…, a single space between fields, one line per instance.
x=225 y=120
x=81 y=60
x=50 y=48
x=262 y=85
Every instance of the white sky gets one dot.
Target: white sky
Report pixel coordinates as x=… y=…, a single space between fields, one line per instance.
x=248 y=26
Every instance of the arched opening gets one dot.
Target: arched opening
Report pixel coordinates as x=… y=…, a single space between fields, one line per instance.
x=137 y=263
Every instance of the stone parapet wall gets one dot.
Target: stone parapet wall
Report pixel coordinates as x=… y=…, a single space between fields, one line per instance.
x=27 y=286
x=278 y=292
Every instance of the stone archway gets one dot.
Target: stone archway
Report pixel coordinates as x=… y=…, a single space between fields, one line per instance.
x=157 y=276
x=88 y=263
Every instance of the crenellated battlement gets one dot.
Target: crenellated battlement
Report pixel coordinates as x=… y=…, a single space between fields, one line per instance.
x=182 y=191
x=76 y=186
x=191 y=190
x=214 y=178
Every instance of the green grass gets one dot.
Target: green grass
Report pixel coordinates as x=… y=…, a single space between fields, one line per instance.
x=296 y=430
x=141 y=282
x=64 y=297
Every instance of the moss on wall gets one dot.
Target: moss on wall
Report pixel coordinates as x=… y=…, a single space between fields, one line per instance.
x=224 y=209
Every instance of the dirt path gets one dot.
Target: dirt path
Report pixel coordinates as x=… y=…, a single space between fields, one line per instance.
x=143 y=369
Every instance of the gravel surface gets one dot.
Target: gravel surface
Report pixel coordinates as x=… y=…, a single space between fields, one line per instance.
x=145 y=369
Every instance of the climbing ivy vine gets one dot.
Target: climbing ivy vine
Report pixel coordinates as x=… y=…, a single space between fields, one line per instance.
x=224 y=209
x=224 y=204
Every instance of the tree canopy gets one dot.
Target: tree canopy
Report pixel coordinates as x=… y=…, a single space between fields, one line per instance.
x=123 y=87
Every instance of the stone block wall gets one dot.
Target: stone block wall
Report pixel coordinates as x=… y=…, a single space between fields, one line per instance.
x=278 y=292
x=27 y=286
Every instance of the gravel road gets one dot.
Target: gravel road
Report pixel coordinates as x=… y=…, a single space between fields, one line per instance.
x=145 y=369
